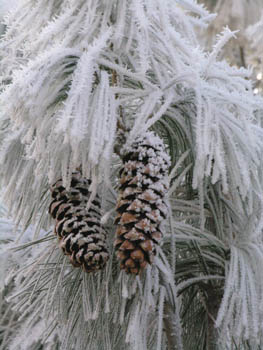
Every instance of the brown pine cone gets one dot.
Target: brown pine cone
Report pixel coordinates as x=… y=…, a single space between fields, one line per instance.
x=141 y=206
x=79 y=229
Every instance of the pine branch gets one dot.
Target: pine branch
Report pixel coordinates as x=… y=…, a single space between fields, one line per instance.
x=170 y=326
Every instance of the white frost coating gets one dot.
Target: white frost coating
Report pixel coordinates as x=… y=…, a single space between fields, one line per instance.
x=73 y=76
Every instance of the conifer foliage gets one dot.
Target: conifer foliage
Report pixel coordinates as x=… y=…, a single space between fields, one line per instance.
x=77 y=73
x=141 y=207
x=81 y=235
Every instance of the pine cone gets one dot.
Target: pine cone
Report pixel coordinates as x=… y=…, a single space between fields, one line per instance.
x=81 y=235
x=141 y=205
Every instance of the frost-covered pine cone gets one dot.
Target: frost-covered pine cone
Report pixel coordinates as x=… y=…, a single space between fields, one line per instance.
x=141 y=205
x=81 y=235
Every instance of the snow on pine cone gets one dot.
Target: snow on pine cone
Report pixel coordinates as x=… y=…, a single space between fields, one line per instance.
x=81 y=235
x=141 y=204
